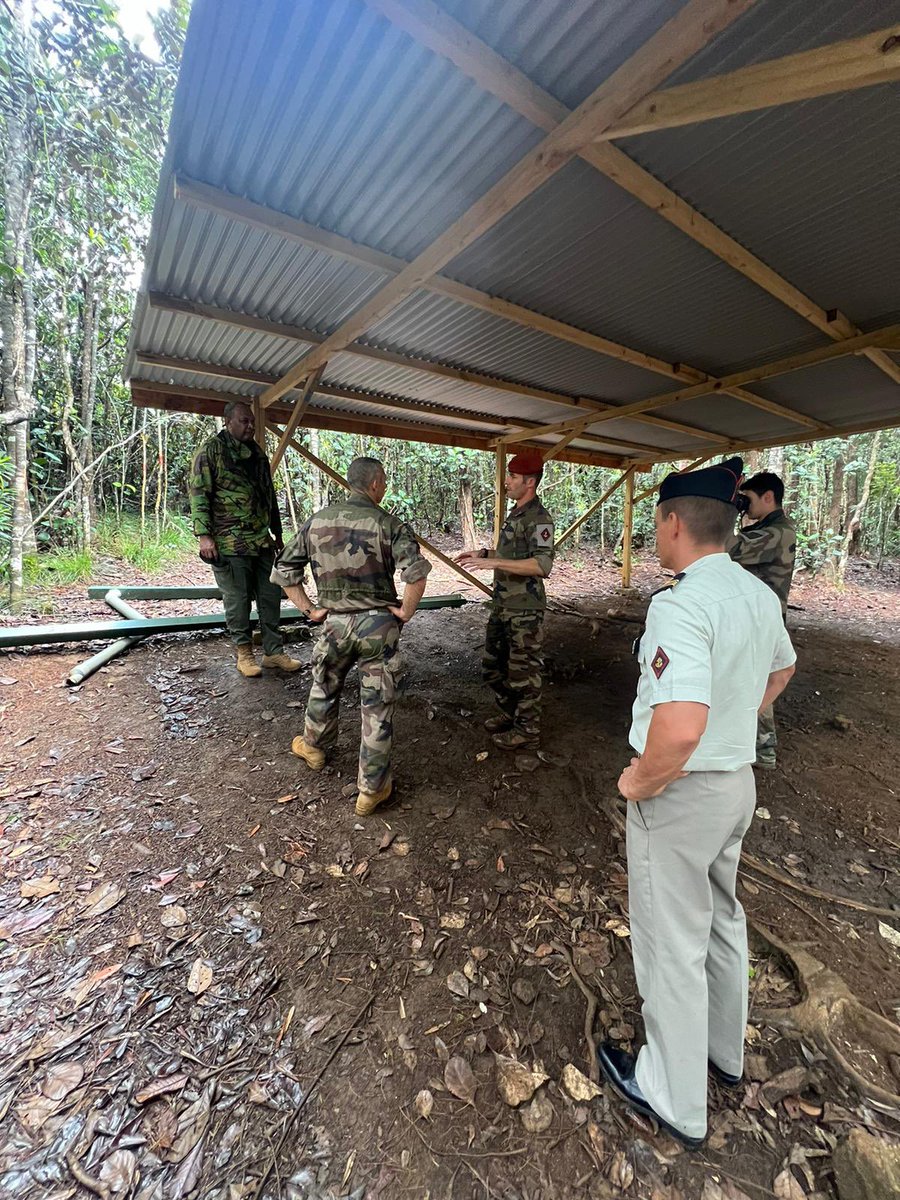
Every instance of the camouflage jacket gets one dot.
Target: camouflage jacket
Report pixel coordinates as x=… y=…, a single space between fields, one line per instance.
x=354 y=547
x=232 y=496
x=766 y=549
x=527 y=532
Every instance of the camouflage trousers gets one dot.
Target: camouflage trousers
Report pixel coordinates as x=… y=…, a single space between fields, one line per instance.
x=243 y=578
x=371 y=640
x=766 y=737
x=513 y=664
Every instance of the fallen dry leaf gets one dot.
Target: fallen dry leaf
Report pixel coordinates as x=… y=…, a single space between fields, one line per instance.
x=82 y=990
x=200 y=977
x=786 y=1186
x=459 y=1080
x=62 y=1079
x=118 y=1172
x=516 y=1083
x=424 y=1103
x=99 y=901
x=37 y=889
x=173 y=916
x=578 y=1085
x=458 y=984
x=890 y=935
x=453 y=920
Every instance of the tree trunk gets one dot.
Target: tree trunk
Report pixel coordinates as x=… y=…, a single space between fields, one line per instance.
x=466 y=512
x=17 y=326
x=87 y=388
x=776 y=460
x=835 y=521
x=315 y=484
x=855 y=521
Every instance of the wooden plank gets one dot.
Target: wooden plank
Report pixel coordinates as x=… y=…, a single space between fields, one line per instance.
x=839 y=67
x=627 y=528
x=433 y=550
x=396 y=402
x=175 y=398
x=432 y=28
x=294 y=419
x=696 y=24
x=589 y=512
x=783 y=366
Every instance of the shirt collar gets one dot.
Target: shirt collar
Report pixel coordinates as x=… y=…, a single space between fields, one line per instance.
x=714 y=559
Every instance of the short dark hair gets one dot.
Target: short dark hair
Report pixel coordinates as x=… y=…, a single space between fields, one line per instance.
x=708 y=521
x=765 y=481
x=233 y=405
x=363 y=472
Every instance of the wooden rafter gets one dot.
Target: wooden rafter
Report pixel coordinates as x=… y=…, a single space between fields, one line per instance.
x=840 y=67
x=783 y=366
x=207 y=401
x=410 y=363
x=651 y=491
x=296 y=415
x=432 y=27
x=423 y=407
x=696 y=24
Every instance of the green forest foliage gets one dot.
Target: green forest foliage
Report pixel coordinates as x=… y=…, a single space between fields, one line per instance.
x=90 y=112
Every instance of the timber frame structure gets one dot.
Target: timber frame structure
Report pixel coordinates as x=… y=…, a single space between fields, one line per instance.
x=622 y=232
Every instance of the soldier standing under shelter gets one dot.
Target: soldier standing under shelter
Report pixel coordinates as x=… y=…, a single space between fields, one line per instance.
x=766 y=546
x=234 y=512
x=513 y=663
x=354 y=548
x=714 y=651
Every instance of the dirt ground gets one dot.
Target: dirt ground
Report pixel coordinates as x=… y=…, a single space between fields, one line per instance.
x=216 y=981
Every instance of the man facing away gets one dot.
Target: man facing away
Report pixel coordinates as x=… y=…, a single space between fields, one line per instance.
x=714 y=651
x=766 y=546
x=354 y=548
x=235 y=516
x=513 y=663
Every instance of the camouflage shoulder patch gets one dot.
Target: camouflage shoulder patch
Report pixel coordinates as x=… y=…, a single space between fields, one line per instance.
x=659 y=662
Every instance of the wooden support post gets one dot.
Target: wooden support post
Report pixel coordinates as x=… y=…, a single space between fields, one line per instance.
x=332 y=474
x=259 y=423
x=627 y=527
x=499 y=492
x=590 y=511
x=294 y=419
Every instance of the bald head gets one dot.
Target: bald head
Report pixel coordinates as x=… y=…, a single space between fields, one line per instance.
x=239 y=422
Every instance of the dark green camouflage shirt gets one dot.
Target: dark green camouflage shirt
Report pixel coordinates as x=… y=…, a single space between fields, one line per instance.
x=232 y=496
x=527 y=532
x=354 y=547
x=767 y=549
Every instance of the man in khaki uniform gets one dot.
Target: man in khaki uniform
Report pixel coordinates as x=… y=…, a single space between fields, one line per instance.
x=513 y=663
x=714 y=651
x=766 y=546
x=354 y=548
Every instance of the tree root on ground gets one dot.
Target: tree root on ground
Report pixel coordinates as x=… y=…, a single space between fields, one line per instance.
x=835 y=1022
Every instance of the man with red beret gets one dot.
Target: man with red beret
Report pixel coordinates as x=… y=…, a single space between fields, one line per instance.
x=523 y=559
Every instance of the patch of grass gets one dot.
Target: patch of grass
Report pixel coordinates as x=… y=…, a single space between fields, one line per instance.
x=148 y=552
x=57 y=567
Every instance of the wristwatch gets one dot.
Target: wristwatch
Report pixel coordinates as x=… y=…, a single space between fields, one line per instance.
x=482 y=553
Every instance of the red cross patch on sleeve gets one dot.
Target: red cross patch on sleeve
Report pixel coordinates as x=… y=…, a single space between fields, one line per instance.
x=659 y=662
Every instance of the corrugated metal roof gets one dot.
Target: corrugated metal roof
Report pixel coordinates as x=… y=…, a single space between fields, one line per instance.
x=328 y=113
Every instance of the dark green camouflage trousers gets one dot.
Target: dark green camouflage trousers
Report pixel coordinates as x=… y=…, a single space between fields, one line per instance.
x=243 y=578
x=370 y=639
x=766 y=737
x=513 y=665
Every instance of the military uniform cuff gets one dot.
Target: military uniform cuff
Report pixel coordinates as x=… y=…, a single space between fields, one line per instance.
x=416 y=572
x=286 y=578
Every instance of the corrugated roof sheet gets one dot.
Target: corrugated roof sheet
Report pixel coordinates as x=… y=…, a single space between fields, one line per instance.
x=328 y=113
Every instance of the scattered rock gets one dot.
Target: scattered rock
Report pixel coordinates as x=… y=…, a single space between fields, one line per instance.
x=838 y=721
x=537 y=1117
x=578 y=1085
x=866 y=1167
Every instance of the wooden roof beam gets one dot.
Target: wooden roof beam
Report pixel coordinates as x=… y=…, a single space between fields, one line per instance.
x=429 y=25
x=840 y=67
x=692 y=28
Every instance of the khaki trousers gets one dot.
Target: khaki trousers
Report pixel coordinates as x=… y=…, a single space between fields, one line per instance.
x=689 y=937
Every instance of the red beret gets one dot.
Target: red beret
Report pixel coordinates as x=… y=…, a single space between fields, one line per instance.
x=529 y=462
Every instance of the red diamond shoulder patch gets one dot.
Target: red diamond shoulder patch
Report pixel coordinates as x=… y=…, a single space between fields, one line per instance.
x=659 y=662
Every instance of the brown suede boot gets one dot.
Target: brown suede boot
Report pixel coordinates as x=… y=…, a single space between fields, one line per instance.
x=282 y=661
x=367 y=802
x=311 y=755
x=498 y=724
x=516 y=739
x=246 y=663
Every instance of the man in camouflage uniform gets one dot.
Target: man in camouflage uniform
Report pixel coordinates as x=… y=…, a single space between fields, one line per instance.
x=354 y=547
x=766 y=546
x=236 y=519
x=523 y=559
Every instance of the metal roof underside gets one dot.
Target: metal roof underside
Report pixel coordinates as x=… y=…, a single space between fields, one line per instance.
x=329 y=114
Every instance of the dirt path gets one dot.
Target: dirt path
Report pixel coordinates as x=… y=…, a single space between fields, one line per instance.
x=216 y=957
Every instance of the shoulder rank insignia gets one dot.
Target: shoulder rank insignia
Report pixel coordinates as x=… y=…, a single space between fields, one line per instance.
x=659 y=662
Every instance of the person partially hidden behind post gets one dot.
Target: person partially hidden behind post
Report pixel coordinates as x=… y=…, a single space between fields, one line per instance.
x=714 y=652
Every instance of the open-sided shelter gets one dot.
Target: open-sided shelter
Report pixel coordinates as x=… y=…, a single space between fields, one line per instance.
x=623 y=231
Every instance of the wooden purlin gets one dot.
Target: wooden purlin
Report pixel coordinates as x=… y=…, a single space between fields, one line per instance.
x=839 y=67
x=566 y=333
x=396 y=402
x=437 y=30
x=206 y=401
x=696 y=24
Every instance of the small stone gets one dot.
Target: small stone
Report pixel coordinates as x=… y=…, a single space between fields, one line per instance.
x=537 y=1117
x=524 y=990
x=578 y=1085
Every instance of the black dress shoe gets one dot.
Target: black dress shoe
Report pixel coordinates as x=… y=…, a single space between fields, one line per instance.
x=731 y=1081
x=618 y=1070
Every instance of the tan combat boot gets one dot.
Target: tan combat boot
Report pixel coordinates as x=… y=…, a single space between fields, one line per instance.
x=284 y=662
x=311 y=755
x=246 y=663
x=498 y=724
x=516 y=739
x=367 y=802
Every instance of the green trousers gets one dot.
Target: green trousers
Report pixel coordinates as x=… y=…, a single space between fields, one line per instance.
x=242 y=580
